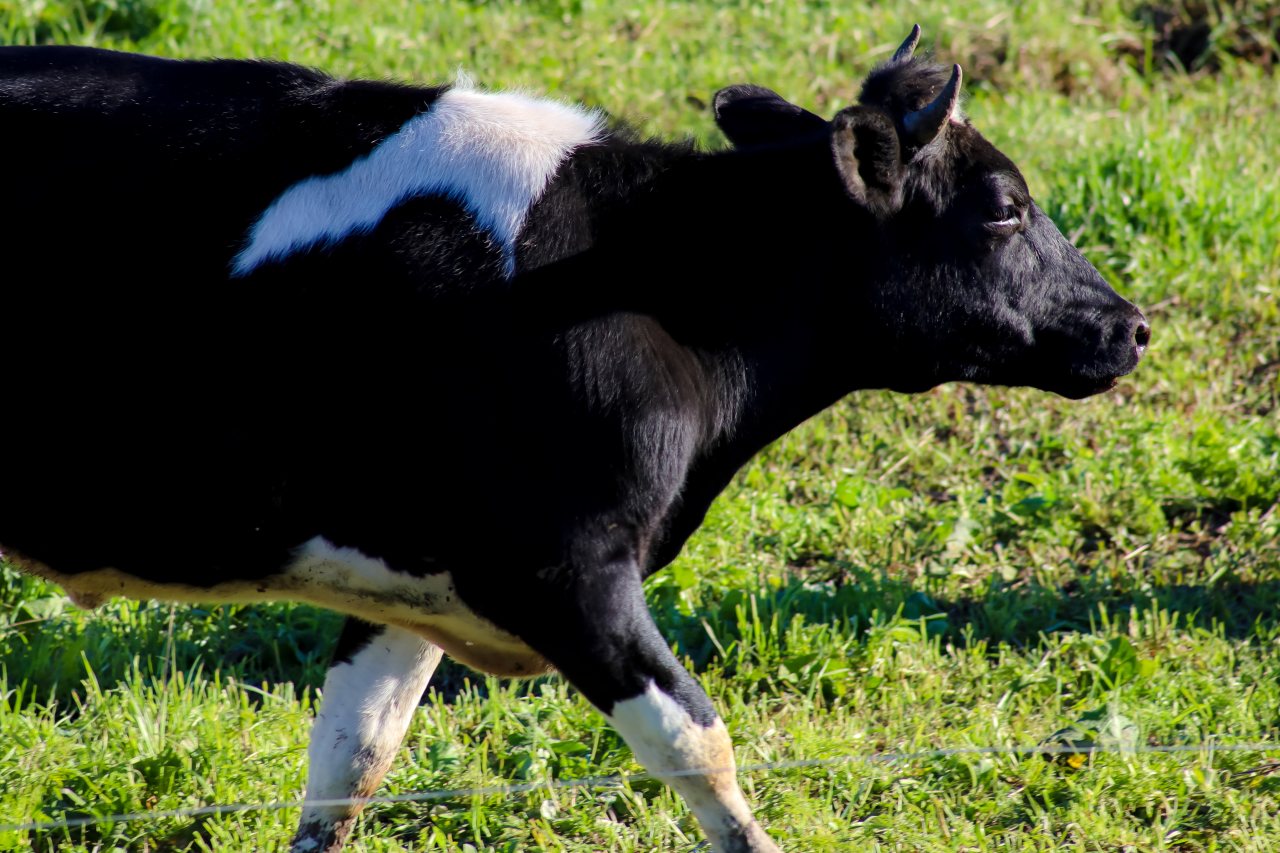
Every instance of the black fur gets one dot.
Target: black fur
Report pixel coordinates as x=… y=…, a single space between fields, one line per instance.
x=549 y=440
x=356 y=635
x=903 y=87
x=753 y=115
x=869 y=158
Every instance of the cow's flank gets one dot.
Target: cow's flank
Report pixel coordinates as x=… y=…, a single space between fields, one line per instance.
x=468 y=367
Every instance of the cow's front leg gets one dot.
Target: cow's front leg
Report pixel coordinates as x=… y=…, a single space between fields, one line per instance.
x=667 y=737
x=594 y=625
x=373 y=686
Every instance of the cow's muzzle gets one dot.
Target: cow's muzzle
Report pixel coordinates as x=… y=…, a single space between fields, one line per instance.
x=1121 y=348
x=1141 y=335
x=1133 y=338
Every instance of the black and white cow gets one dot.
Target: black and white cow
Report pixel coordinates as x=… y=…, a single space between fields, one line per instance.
x=468 y=366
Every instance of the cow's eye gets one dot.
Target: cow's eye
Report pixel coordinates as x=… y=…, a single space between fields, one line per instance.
x=1006 y=217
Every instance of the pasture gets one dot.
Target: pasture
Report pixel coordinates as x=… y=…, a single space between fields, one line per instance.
x=965 y=567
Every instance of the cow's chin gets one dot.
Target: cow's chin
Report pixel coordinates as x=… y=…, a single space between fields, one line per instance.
x=1079 y=387
x=1073 y=388
x=908 y=386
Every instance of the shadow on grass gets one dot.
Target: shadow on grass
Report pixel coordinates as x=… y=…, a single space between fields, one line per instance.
x=272 y=644
x=1018 y=613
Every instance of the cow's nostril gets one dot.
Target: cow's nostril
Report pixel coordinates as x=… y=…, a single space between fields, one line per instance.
x=1142 y=335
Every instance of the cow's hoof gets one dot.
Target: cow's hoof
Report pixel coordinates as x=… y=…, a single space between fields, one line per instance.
x=318 y=836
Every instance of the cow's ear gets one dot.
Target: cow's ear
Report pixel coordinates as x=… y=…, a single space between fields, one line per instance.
x=753 y=115
x=869 y=158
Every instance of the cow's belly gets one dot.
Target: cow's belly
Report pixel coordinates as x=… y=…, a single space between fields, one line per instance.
x=345 y=580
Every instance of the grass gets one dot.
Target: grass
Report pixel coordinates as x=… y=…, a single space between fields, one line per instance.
x=969 y=566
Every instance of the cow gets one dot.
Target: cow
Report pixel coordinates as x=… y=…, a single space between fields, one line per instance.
x=468 y=366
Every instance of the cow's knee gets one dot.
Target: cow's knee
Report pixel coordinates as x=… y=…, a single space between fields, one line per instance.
x=668 y=739
x=600 y=634
x=370 y=693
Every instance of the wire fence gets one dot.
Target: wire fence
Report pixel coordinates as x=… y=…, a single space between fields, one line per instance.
x=1047 y=750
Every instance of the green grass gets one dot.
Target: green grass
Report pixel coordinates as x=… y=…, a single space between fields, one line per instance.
x=963 y=567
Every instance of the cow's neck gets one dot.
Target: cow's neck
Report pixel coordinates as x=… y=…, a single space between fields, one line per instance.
x=688 y=248
x=744 y=299
x=741 y=293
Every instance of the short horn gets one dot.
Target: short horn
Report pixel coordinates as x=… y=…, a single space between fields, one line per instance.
x=923 y=124
x=903 y=53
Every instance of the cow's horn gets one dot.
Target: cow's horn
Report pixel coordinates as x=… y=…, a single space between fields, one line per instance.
x=903 y=53
x=923 y=124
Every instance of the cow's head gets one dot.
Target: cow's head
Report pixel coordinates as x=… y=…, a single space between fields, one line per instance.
x=972 y=281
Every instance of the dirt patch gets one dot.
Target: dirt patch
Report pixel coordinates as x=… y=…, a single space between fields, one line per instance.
x=1180 y=37
x=1197 y=36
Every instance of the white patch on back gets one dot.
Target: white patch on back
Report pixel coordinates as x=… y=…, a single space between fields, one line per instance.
x=492 y=152
x=666 y=739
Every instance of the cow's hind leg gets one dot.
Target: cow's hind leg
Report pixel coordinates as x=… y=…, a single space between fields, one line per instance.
x=373 y=686
x=600 y=635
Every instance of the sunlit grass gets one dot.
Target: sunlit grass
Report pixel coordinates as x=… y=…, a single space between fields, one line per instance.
x=964 y=567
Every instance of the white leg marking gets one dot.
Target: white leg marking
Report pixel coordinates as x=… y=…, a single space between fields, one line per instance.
x=666 y=739
x=493 y=152
x=367 y=707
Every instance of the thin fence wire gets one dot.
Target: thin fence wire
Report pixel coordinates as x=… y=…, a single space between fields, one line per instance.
x=614 y=781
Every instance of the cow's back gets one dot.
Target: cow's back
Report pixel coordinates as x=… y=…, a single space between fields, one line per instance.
x=135 y=368
x=149 y=158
